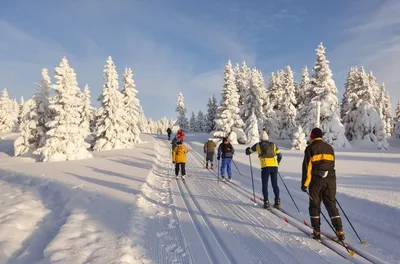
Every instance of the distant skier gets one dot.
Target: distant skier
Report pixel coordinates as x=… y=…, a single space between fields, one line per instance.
x=169 y=132
x=209 y=150
x=179 y=159
x=320 y=177
x=181 y=135
x=270 y=156
x=226 y=151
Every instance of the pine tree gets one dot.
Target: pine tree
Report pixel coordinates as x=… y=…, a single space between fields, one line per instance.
x=252 y=130
x=211 y=113
x=397 y=117
x=142 y=121
x=201 y=124
x=182 y=121
x=301 y=91
x=228 y=119
x=323 y=89
x=131 y=104
x=65 y=137
x=20 y=109
x=7 y=114
x=242 y=83
x=271 y=122
x=349 y=88
x=287 y=107
x=87 y=112
x=44 y=113
x=253 y=100
x=192 y=123
x=111 y=127
x=387 y=111
x=29 y=138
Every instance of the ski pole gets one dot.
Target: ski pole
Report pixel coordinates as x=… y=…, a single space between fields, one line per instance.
x=252 y=180
x=362 y=242
x=351 y=253
x=289 y=192
x=234 y=163
x=218 y=168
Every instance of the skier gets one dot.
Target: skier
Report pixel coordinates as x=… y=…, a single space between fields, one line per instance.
x=181 y=135
x=179 y=159
x=270 y=156
x=173 y=142
x=209 y=150
x=169 y=131
x=226 y=150
x=320 y=177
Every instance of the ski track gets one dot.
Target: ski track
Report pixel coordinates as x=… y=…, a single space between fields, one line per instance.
x=277 y=245
x=365 y=224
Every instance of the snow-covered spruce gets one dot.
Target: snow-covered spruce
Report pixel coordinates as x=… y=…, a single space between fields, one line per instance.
x=20 y=108
x=397 y=113
x=299 y=141
x=288 y=106
x=201 y=124
x=387 y=112
x=243 y=76
x=131 y=103
x=252 y=131
x=111 y=127
x=44 y=113
x=142 y=121
x=65 y=137
x=87 y=111
x=192 y=123
x=253 y=101
x=271 y=121
x=8 y=119
x=211 y=113
x=29 y=138
x=182 y=121
x=301 y=91
x=228 y=120
x=323 y=89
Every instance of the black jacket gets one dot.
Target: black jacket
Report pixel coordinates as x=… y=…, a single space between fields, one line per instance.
x=226 y=150
x=318 y=163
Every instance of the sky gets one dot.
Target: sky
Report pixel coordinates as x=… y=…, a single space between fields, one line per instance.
x=177 y=46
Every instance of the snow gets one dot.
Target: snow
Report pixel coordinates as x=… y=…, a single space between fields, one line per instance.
x=125 y=206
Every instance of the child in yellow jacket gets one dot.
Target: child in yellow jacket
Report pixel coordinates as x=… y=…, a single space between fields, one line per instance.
x=179 y=158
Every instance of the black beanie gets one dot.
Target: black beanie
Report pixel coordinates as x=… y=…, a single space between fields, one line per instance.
x=316 y=133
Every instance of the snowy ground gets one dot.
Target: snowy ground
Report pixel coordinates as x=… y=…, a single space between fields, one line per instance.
x=126 y=207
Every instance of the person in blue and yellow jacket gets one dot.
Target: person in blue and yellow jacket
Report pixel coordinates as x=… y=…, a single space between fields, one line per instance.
x=179 y=159
x=270 y=156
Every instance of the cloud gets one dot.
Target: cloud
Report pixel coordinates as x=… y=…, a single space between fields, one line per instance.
x=374 y=42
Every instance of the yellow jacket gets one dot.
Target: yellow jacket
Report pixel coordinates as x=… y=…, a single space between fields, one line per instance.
x=179 y=153
x=266 y=162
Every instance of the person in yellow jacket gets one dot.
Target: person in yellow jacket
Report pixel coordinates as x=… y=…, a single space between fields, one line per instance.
x=270 y=156
x=179 y=159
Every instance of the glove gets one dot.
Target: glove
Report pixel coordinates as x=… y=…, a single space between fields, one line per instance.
x=304 y=188
x=173 y=162
x=218 y=158
x=248 y=151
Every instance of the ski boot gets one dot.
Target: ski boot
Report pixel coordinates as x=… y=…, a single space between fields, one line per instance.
x=223 y=179
x=206 y=166
x=212 y=166
x=316 y=235
x=340 y=235
x=266 y=205
x=277 y=204
x=229 y=179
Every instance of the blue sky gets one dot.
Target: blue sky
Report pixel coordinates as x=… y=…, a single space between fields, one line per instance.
x=176 y=45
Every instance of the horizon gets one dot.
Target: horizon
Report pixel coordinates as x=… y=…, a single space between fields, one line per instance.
x=179 y=47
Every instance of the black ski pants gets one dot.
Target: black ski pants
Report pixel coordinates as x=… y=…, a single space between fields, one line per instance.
x=182 y=169
x=324 y=189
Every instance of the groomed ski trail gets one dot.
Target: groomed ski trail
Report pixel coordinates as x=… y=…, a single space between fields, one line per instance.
x=227 y=230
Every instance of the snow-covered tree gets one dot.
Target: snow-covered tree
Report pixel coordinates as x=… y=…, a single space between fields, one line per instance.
x=131 y=103
x=20 y=109
x=42 y=100
x=287 y=106
x=242 y=84
x=29 y=138
x=182 y=121
x=201 y=124
x=110 y=125
x=228 y=119
x=212 y=107
x=271 y=121
x=349 y=88
x=253 y=100
x=299 y=141
x=143 y=125
x=87 y=111
x=192 y=122
x=302 y=88
x=65 y=137
x=252 y=129
x=323 y=89
x=397 y=115
x=7 y=114
x=387 y=111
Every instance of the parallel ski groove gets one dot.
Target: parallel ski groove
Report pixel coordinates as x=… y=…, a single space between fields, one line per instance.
x=260 y=233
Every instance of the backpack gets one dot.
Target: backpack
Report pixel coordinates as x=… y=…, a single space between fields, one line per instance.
x=267 y=149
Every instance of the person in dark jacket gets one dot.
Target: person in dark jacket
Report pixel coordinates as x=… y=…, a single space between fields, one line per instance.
x=270 y=156
x=169 y=132
x=209 y=150
x=226 y=151
x=174 y=142
x=319 y=177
